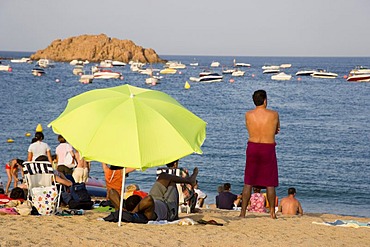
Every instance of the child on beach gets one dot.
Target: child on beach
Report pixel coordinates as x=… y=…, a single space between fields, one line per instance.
x=12 y=168
x=257 y=201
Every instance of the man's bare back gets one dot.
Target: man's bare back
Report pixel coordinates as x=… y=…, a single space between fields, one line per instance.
x=262 y=124
x=290 y=206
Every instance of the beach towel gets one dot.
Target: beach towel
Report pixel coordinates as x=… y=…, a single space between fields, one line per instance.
x=261 y=165
x=345 y=223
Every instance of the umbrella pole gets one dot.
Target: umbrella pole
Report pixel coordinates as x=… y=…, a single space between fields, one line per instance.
x=122 y=194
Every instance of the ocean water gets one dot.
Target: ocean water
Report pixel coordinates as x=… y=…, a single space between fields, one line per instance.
x=323 y=146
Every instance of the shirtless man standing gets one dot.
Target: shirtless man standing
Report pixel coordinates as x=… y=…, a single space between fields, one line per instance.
x=290 y=205
x=261 y=163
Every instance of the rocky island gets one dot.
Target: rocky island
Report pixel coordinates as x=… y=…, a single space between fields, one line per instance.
x=96 y=48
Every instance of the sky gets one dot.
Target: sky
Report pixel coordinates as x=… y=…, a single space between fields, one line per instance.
x=195 y=27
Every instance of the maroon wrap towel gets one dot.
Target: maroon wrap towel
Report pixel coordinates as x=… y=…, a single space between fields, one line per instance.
x=261 y=165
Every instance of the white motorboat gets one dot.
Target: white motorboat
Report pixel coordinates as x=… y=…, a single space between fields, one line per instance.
x=238 y=73
x=38 y=71
x=194 y=64
x=360 y=70
x=212 y=77
x=175 y=65
x=270 y=67
x=148 y=71
x=86 y=78
x=118 y=63
x=359 y=77
x=136 y=66
x=281 y=77
x=321 y=73
x=22 y=60
x=227 y=71
x=106 y=64
x=305 y=72
x=285 y=65
x=45 y=63
x=78 y=70
x=5 y=68
x=106 y=74
x=271 y=71
x=76 y=62
x=215 y=64
x=151 y=80
x=241 y=64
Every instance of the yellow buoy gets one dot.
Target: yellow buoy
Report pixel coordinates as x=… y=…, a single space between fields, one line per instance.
x=187 y=85
x=39 y=128
x=28 y=134
x=10 y=140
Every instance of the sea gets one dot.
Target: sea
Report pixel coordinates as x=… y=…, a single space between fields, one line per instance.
x=323 y=147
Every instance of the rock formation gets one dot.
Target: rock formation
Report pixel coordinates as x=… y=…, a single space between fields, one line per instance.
x=96 y=48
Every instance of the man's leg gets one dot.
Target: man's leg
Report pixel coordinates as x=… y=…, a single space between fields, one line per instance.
x=246 y=195
x=146 y=207
x=271 y=195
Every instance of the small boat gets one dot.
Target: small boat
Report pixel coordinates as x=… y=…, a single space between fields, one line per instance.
x=106 y=64
x=136 y=66
x=45 y=63
x=281 y=77
x=118 y=63
x=271 y=71
x=76 y=62
x=106 y=74
x=238 y=73
x=270 y=67
x=151 y=80
x=321 y=73
x=241 y=64
x=38 y=71
x=227 y=71
x=86 y=78
x=5 y=68
x=215 y=64
x=78 y=70
x=22 y=60
x=212 y=77
x=175 y=65
x=285 y=65
x=168 y=71
x=359 y=77
x=305 y=72
x=360 y=70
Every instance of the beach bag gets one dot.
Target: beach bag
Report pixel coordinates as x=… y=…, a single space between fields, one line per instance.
x=44 y=199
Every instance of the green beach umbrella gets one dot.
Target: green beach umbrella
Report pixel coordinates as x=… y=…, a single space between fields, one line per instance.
x=129 y=126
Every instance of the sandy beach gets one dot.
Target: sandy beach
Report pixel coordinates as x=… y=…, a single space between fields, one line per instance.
x=254 y=230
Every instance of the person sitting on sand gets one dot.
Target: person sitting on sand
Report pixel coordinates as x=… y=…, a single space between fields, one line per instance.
x=113 y=180
x=201 y=196
x=162 y=202
x=290 y=205
x=257 y=201
x=226 y=199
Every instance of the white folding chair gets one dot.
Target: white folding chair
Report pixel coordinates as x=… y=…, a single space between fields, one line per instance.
x=42 y=187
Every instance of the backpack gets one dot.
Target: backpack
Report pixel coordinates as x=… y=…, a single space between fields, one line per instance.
x=79 y=192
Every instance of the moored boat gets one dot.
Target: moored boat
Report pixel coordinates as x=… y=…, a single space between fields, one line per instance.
x=212 y=77
x=238 y=73
x=321 y=73
x=281 y=77
x=305 y=72
x=38 y=71
x=360 y=70
x=106 y=74
x=359 y=77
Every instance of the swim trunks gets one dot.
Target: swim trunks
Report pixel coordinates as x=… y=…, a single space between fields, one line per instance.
x=261 y=165
x=169 y=196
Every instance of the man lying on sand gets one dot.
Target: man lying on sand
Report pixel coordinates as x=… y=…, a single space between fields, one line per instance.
x=162 y=203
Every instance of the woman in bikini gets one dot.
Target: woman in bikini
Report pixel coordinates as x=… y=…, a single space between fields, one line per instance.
x=11 y=169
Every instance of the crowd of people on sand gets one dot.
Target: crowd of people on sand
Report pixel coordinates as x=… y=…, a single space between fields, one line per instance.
x=174 y=189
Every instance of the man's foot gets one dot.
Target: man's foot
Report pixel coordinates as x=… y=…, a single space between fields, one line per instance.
x=273 y=216
x=193 y=177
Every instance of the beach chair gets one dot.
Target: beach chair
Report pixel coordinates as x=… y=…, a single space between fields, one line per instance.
x=43 y=190
x=183 y=201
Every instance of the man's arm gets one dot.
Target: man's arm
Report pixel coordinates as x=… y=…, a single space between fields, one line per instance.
x=300 y=210
x=280 y=208
x=278 y=125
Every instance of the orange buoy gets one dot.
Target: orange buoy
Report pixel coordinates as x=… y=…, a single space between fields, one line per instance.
x=345 y=76
x=231 y=80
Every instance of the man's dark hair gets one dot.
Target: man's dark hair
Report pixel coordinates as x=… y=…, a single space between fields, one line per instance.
x=291 y=191
x=17 y=193
x=259 y=97
x=227 y=186
x=172 y=164
x=131 y=202
x=39 y=136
